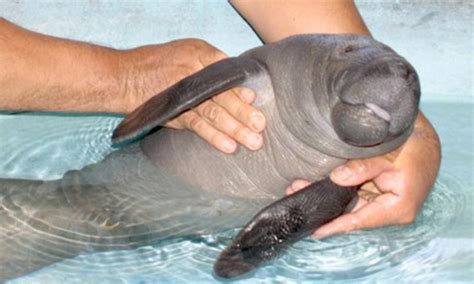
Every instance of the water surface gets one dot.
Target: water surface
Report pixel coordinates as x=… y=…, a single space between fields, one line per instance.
x=438 y=247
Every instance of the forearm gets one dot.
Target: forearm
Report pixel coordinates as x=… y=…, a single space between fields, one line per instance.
x=276 y=19
x=428 y=147
x=44 y=73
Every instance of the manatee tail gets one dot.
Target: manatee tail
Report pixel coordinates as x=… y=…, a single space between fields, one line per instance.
x=185 y=94
x=281 y=224
x=120 y=203
x=22 y=248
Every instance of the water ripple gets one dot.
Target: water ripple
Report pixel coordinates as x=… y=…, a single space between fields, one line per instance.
x=31 y=141
x=412 y=253
x=378 y=254
x=416 y=253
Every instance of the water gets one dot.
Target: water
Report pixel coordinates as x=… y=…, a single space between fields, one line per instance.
x=438 y=247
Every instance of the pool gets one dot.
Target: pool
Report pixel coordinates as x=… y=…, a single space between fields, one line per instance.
x=438 y=247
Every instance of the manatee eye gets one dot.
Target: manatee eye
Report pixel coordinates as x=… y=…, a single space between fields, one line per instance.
x=349 y=48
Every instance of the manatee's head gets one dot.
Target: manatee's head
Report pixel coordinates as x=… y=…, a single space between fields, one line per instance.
x=373 y=93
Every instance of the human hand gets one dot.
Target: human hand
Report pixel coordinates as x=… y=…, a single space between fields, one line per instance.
x=394 y=187
x=223 y=121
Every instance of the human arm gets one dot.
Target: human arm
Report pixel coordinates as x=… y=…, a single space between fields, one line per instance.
x=50 y=74
x=402 y=178
x=394 y=186
x=44 y=73
x=283 y=18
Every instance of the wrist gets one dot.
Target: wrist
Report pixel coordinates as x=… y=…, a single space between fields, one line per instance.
x=131 y=73
x=148 y=70
x=104 y=81
x=94 y=83
x=82 y=78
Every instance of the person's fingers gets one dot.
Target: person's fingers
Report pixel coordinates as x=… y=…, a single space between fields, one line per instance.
x=356 y=172
x=245 y=94
x=209 y=54
x=380 y=212
x=243 y=112
x=220 y=119
x=175 y=123
x=297 y=185
x=193 y=121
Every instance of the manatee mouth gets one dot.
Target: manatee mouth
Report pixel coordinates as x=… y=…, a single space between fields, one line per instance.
x=361 y=124
x=385 y=115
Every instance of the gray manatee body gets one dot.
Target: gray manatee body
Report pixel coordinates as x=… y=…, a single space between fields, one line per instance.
x=326 y=99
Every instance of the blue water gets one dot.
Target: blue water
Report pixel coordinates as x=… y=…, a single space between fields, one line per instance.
x=438 y=247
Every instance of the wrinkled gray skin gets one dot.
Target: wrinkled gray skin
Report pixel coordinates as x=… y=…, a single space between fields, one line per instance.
x=326 y=99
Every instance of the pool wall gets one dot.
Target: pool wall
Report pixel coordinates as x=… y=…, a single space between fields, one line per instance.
x=435 y=35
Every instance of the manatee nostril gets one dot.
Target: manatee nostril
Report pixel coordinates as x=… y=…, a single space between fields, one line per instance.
x=410 y=75
x=407 y=73
x=349 y=48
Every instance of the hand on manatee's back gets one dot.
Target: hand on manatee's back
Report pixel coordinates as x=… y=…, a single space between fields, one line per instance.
x=223 y=121
x=395 y=184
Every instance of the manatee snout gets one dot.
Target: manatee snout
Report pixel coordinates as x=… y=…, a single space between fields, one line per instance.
x=377 y=104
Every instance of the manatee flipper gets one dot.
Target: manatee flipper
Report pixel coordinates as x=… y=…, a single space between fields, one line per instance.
x=187 y=93
x=281 y=224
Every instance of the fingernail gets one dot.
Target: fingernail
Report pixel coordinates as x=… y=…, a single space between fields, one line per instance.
x=229 y=146
x=247 y=95
x=257 y=121
x=254 y=140
x=342 y=173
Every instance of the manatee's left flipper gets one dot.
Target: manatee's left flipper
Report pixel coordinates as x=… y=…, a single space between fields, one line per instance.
x=187 y=93
x=281 y=224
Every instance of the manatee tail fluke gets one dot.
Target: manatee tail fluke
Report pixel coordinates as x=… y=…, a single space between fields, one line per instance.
x=185 y=94
x=281 y=224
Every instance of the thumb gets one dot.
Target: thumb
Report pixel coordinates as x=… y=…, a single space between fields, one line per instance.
x=355 y=172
